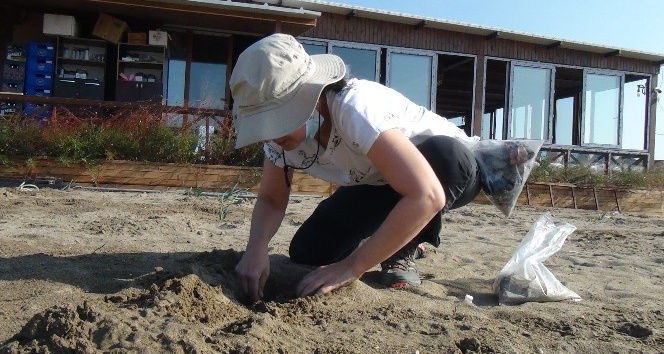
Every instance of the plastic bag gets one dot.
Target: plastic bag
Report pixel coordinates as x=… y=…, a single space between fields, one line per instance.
x=525 y=278
x=504 y=167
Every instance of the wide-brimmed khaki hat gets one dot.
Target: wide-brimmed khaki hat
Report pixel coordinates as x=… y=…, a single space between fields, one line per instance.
x=275 y=86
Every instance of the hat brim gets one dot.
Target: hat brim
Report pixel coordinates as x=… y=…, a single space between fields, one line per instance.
x=289 y=115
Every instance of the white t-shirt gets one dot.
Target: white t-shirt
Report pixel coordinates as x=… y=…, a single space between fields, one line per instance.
x=360 y=112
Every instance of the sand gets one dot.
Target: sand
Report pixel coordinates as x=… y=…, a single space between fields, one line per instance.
x=84 y=271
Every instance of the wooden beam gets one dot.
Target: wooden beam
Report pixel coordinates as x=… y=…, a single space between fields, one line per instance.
x=612 y=53
x=351 y=14
x=492 y=35
x=554 y=45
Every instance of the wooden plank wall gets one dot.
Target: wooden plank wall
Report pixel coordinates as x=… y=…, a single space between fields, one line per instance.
x=364 y=30
x=146 y=175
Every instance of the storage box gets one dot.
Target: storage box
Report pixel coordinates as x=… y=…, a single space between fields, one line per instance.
x=40 y=111
x=7 y=108
x=40 y=65
x=137 y=38
x=16 y=52
x=38 y=91
x=109 y=28
x=158 y=38
x=13 y=70
x=38 y=79
x=13 y=86
x=60 y=25
x=41 y=50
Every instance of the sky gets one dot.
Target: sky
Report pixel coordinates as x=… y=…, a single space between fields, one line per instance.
x=628 y=24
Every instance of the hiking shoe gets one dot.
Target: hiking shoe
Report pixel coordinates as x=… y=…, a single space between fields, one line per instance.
x=399 y=271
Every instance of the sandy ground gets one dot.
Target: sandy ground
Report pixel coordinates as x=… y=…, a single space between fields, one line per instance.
x=85 y=271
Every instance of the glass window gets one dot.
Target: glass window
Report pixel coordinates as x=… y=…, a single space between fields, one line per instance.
x=313 y=49
x=530 y=102
x=634 y=112
x=410 y=74
x=360 y=63
x=207 y=79
x=176 y=73
x=564 y=121
x=601 y=119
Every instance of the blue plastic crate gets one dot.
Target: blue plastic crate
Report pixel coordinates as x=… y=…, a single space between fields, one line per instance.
x=14 y=86
x=38 y=91
x=40 y=65
x=41 y=50
x=13 y=70
x=39 y=79
x=41 y=111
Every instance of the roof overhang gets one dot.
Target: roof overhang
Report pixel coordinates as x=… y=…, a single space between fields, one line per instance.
x=429 y=22
x=213 y=14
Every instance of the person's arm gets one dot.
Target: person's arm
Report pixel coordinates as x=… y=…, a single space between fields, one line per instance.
x=269 y=210
x=408 y=172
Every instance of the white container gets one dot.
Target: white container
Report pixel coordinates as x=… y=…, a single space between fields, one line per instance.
x=60 y=25
x=158 y=38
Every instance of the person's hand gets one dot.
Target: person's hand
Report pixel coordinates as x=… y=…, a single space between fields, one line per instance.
x=324 y=279
x=252 y=272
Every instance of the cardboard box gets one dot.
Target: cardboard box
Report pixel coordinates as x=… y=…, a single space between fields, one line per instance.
x=158 y=38
x=60 y=25
x=109 y=28
x=137 y=38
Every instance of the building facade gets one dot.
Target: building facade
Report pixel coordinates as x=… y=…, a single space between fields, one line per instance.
x=591 y=104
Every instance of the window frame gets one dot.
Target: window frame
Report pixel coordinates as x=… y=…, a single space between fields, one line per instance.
x=433 y=70
x=353 y=45
x=621 y=76
x=510 y=96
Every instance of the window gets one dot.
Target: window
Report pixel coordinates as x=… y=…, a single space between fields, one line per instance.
x=601 y=104
x=455 y=89
x=530 y=102
x=567 y=108
x=313 y=48
x=635 y=112
x=361 y=62
x=412 y=75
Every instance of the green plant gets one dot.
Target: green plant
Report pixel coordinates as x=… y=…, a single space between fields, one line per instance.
x=230 y=198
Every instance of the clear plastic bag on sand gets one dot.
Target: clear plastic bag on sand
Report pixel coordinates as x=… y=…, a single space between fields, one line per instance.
x=525 y=278
x=505 y=166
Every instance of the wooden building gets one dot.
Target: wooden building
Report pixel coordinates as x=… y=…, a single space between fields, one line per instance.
x=591 y=104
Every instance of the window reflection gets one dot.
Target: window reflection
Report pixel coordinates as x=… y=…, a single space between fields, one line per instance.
x=529 y=112
x=564 y=121
x=207 y=85
x=634 y=112
x=411 y=75
x=602 y=109
x=360 y=63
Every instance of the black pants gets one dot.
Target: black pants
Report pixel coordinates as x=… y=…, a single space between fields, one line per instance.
x=351 y=214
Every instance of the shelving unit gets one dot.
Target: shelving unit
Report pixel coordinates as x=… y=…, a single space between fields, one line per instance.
x=140 y=72
x=80 y=68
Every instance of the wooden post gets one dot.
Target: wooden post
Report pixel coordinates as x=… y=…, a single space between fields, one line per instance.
x=553 y=205
x=527 y=194
x=573 y=197
x=478 y=105
x=615 y=194
x=596 y=201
